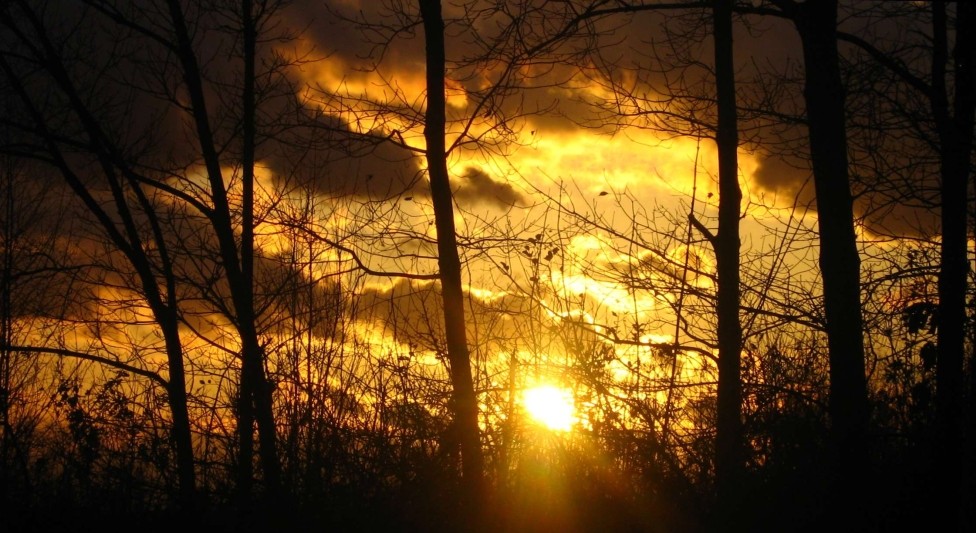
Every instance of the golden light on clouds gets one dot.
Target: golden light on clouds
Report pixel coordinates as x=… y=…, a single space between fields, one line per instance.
x=596 y=161
x=370 y=99
x=642 y=162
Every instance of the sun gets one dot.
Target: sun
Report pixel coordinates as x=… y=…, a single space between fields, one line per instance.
x=551 y=406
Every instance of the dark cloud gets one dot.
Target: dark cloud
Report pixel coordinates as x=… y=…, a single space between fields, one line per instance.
x=413 y=311
x=897 y=220
x=354 y=32
x=884 y=206
x=477 y=187
x=337 y=162
x=385 y=172
x=786 y=177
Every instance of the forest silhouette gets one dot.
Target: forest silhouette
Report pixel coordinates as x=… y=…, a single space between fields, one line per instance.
x=487 y=266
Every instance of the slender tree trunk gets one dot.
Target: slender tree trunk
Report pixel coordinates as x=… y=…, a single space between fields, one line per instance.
x=728 y=445
x=839 y=260
x=176 y=391
x=247 y=392
x=9 y=238
x=465 y=399
x=955 y=131
x=127 y=240
x=254 y=384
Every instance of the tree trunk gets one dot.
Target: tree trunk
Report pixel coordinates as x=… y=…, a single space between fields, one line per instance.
x=728 y=445
x=816 y=23
x=955 y=131
x=254 y=383
x=465 y=399
x=176 y=392
x=127 y=240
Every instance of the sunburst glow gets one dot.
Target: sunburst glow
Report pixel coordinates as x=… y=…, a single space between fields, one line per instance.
x=551 y=406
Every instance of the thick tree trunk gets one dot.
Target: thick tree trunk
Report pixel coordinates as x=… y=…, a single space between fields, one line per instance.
x=839 y=260
x=955 y=131
x=728 y=445
x=465 y=399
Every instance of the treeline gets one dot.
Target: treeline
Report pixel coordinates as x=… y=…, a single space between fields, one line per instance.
x=276 y=265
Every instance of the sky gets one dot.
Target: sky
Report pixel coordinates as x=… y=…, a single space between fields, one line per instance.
x=640 y=174
x=562 y=130
x=552 y=149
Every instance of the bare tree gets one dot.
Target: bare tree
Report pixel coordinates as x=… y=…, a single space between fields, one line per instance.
x=153 y=272
x=948 y=131
x=33 y=267
x=466 y=403
x=816 y=23
x=729 y=442
x=955 y=134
